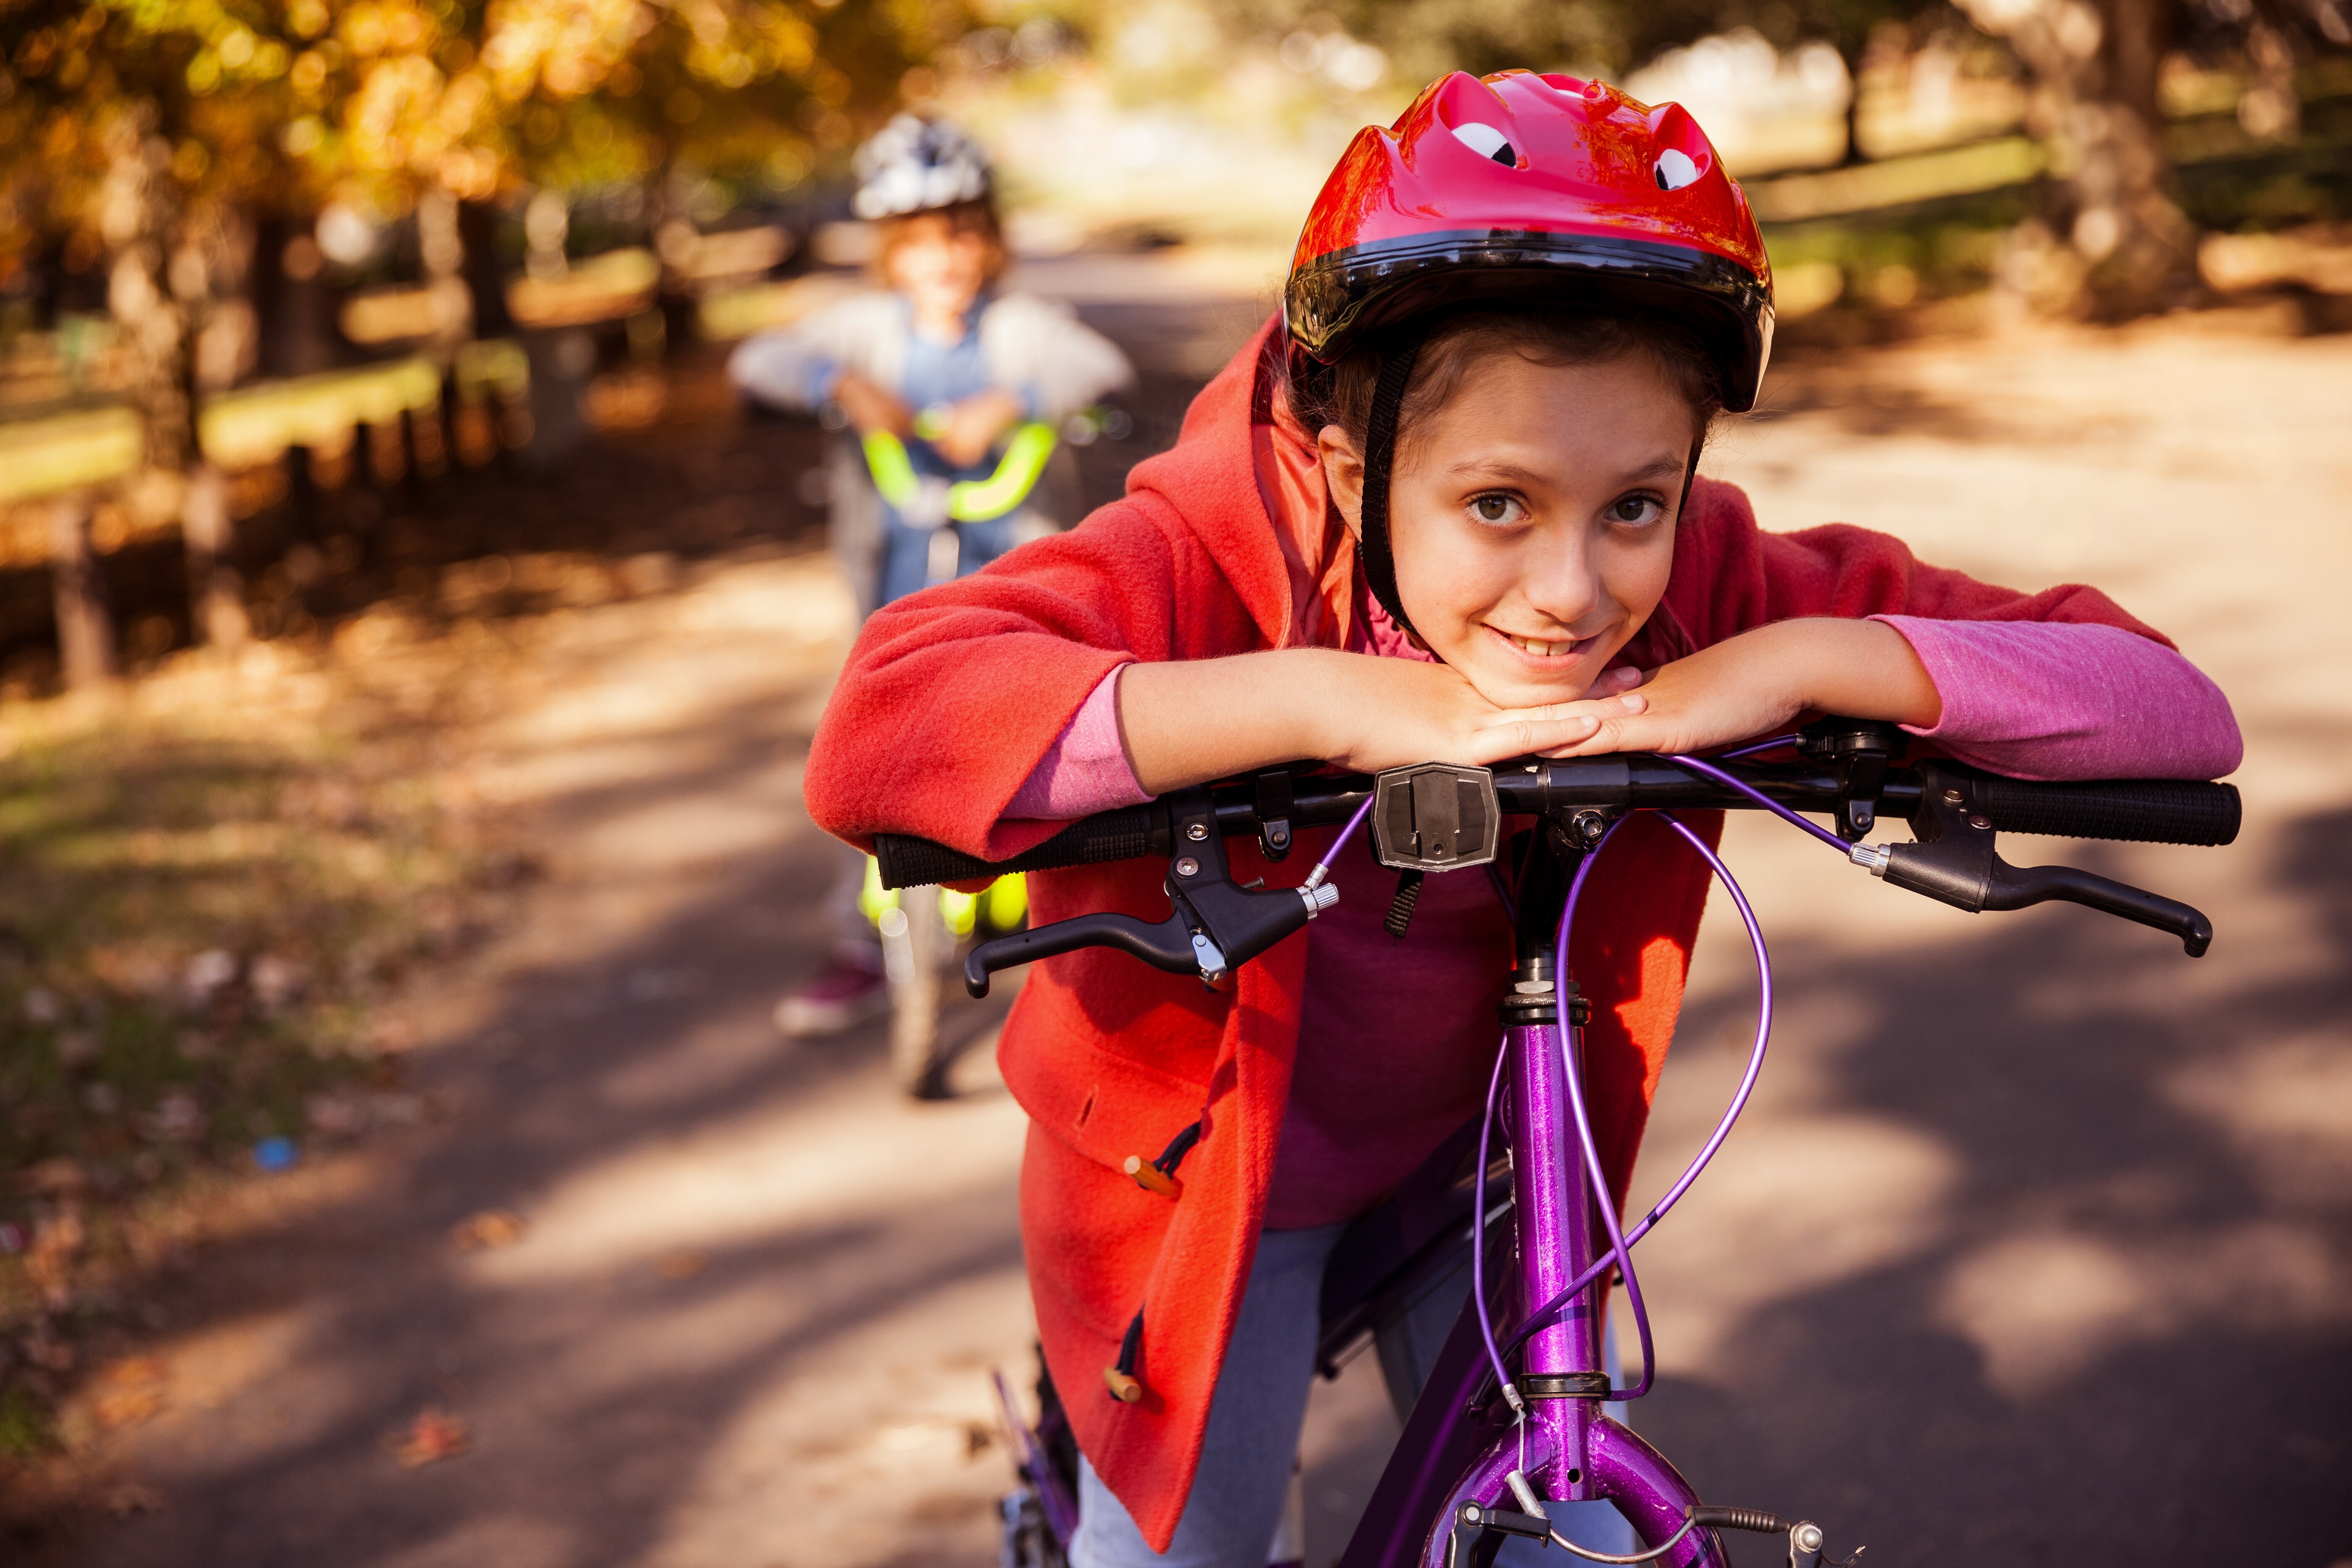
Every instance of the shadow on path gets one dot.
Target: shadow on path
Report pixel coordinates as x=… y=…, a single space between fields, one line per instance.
x=2123 y=1335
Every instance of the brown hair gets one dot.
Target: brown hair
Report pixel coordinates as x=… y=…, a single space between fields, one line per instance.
x=978 y=217
x=1549 y=335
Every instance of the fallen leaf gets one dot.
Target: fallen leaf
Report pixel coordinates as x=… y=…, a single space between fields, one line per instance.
x=47 y=1349
x=682 y=1265
x=435 y=1435
x=491 y=1229
x=128 y=1393
x=59 y=1174
x=129 y=1497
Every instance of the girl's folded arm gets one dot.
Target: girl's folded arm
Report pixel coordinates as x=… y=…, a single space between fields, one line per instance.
x=2058 y=684
x=2058 y=700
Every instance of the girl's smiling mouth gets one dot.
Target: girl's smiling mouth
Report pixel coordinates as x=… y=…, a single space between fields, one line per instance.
x=1551 y=654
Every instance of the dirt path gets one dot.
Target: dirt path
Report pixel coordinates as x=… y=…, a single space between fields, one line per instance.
x=2026 y=1208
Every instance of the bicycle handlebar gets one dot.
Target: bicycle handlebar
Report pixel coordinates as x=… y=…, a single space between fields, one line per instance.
x=2148 y=810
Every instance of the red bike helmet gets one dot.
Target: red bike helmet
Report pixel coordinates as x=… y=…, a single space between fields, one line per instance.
x=1528 y=186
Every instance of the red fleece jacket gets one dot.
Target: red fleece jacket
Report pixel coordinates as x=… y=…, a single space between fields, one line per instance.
x=952 y=696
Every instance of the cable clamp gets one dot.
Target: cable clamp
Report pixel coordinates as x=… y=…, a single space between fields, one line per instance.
x=1871 y=858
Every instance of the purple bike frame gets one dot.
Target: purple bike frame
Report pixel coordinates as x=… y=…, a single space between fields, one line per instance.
x=1573 y=1452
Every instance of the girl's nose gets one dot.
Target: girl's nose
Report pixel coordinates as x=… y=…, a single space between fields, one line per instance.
x=1557 y=576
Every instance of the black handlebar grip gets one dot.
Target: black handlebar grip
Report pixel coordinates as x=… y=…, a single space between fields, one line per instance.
x=2142 y=811
x=1113 y=835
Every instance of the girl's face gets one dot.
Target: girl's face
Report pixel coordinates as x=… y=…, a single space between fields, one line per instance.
x=939 y=265
x=1532 y=518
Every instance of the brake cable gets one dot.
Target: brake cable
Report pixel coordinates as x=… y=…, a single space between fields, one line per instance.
x=1538 y=1318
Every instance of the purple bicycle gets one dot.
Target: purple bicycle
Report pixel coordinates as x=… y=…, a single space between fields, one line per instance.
x=1510 y=1417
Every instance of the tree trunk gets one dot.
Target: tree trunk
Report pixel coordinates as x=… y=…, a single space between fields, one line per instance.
x=675 y=240
x=160 y=287
x=85 y=619
x=216 y=588
x=1857 y=59
x=2271 y=108
x=138 y=211
x=296 y=302
x=226 y=330
x=442 y=250
x=485 y=274
x=2094 y=68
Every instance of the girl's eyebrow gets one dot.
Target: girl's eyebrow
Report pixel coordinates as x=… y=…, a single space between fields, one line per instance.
x=1500 y=471
x=1659 y=467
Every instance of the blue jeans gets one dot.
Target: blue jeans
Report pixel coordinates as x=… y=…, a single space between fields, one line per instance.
x=1259 y=1406
x=906 y=551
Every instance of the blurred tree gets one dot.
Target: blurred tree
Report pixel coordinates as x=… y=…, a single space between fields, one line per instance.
x=146 y=132
x=2095 y=65
x=480 y=100
x=2096 y=68
x=138 y=131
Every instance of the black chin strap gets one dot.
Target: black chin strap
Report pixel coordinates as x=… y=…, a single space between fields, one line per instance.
x=1372 y=551
x=1690 y=477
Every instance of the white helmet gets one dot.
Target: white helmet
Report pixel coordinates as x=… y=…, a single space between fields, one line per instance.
x=913 y=164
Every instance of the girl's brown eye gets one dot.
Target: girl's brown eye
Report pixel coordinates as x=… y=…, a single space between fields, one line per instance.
x=1636 y=508
x=1492 y=509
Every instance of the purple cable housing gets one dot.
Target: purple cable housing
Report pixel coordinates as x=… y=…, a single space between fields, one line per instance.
x=1621 y=1243
x=1570 y=1042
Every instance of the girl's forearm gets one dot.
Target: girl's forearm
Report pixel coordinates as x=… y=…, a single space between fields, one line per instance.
x=1188 y=722
x=1863 y=669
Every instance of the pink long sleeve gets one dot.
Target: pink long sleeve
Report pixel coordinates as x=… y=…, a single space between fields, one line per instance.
x=1087 y=769
x=2038 y=699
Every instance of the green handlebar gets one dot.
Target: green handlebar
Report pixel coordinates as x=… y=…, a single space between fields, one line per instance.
x=969 y=500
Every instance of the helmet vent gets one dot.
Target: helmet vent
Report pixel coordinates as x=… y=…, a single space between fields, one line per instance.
x=1489 y=142
x=1674 y=170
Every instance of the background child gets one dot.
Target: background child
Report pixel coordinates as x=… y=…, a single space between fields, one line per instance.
x=944 y=368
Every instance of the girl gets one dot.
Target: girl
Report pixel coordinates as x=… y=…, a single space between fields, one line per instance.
x=933 y=373
x=1447 y=507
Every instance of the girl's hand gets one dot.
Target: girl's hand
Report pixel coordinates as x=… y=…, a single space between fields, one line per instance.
x=1187 y=722
x=1757 y=682
x=1393 y=712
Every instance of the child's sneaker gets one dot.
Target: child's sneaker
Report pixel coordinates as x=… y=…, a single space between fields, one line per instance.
x=850 y=989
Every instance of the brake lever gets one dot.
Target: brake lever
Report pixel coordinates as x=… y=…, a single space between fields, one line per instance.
x=2016 y=887
x=1212 y=926
x=1168 y=945
x=1953 y=862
